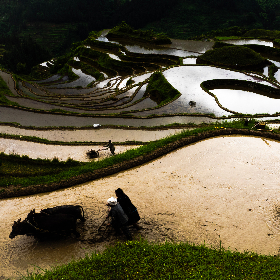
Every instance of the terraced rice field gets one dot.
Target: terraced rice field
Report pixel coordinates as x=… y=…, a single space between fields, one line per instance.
x=197 y=200
x=110 y=89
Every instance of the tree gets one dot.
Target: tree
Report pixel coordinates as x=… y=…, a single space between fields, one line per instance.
x=268 y=11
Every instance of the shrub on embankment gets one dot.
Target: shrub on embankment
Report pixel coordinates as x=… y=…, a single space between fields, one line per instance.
x=264 y=51
x=5 y=91
x=124 y=31
x=160 y=90
x=15 y=166
x=236 y=57
x=141 y=260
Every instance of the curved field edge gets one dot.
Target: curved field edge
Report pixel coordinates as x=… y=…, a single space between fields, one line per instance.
x=144 y=260
x=121 y=162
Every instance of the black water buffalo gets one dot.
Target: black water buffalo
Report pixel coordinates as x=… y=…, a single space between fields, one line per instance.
x=75 y=210
x=38 y=225
x=22 y=228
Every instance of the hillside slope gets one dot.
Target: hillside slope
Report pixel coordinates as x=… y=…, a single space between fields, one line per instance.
x=182 y=19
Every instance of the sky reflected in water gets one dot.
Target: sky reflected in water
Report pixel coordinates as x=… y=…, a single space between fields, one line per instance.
x=250 y=41
x=246 y=102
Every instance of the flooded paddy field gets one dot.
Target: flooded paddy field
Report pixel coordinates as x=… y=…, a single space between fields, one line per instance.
x=126 y=94
x=60 y=152
x=246 y=102
x=119 y=97
x=224 y=189
x=250 y=42
x=26 y=118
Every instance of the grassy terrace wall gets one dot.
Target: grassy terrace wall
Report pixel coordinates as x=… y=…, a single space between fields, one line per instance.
x=23 y=166
x=140 y=260
x=160 y=90
x=138 y=62
x=4 y=90
x=124 y=31
x=121 y=162
x=265 y=51
x=236 y=57
x=237 y=32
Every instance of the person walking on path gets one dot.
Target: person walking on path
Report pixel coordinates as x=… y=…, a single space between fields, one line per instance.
x=129 y=209
x=111 y=146
x=119 y=218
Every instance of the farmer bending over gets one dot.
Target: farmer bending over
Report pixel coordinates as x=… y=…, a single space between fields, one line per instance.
x=119 y=218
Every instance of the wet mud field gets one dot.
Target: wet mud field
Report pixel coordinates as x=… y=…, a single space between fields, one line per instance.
x=224 y=189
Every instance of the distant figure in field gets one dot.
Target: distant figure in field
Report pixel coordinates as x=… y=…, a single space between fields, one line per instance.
x=129 y=209
x=111 y=147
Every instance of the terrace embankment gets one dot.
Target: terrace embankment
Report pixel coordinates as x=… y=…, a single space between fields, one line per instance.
x=12 y=191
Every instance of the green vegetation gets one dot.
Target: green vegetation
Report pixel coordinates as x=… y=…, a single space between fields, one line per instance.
x=141 y=260
x=237 y=32
x=263 y=34
x=95 y=60
x=265 y=51
x=56 y=25
x=67 y=70
x=272 y=69
x=90 y=167
x=21 y=54
x=160 y=90
x=87 y=69
x=124 y=31
x=236 y=57
x=58 y=37
x=130 y=82
x=23 y=166
x=5 y=91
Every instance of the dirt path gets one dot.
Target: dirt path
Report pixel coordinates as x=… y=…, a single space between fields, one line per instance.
x=222 y=189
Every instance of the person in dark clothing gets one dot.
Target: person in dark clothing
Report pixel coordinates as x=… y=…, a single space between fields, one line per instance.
x=111 y=146
x=129 y=209
x=119 y=218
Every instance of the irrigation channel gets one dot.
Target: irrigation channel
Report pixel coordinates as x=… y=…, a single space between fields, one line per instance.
x=224 y=189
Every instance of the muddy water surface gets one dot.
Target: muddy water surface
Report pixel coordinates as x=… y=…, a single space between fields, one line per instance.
x=88 y=135
x=222 y=189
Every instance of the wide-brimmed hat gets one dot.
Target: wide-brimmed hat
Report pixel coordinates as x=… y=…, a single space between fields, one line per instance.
x=112 y=201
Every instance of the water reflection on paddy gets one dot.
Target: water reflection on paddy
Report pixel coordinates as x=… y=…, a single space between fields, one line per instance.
x=187 y=80
x=82 y=81
x=189 y=60
x=51 y=79
x=265 y=71
x=113 y=56
x=190 y=45
x=102 y=38
x=249 y=41
x=277 y=63
x=26 y=118
x=277 y=75
x=246 y=102
x=112 y=82
x=168 y=51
